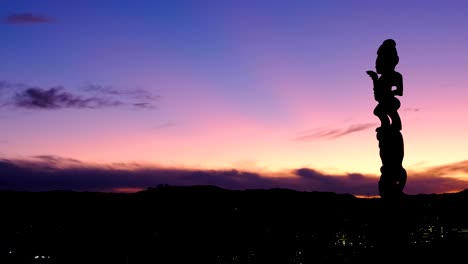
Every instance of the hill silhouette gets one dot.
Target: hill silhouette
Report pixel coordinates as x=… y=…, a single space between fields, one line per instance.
x=208 y=224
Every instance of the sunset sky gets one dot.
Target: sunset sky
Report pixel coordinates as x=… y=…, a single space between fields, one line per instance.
x=275 y=90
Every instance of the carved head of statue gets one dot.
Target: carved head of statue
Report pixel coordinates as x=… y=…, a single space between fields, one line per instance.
x=387 y=57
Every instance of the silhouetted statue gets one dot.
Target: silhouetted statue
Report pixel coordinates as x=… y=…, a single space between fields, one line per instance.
x=393 y=178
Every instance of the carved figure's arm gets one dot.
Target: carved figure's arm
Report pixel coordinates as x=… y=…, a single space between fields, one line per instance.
x=398 y=84
x=375 y=78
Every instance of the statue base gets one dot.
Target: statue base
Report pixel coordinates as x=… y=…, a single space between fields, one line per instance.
x=393 y=178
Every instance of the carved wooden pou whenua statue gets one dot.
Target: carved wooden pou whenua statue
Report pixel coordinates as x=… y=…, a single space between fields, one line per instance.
x=386 y=86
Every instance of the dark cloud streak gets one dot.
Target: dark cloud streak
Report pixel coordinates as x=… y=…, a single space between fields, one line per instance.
x=135 y=93
x=412 y=109
x=32 y=97
x=56 y=98
x=141 y=98
x=334 y=133
x=28 y=18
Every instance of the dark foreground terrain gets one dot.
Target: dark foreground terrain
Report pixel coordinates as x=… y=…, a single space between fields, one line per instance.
x=206 y=224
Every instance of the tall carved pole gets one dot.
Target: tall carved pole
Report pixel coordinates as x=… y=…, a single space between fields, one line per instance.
x=392 y=241
x=386 y=87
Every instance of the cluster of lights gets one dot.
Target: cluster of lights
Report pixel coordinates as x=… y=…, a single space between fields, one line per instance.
x=299 y=257
x=41 y=257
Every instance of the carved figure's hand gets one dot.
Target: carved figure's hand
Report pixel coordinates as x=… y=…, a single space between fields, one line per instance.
x=373 y=75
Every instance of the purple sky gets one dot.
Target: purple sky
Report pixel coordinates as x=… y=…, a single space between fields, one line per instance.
x=264 y=87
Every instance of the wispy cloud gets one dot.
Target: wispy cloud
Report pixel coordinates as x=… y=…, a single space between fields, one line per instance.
x=57 y=160
x=163 y=125
x=447 y=169
x=333 y=133
x=56 y=98
x=4 y=85
x=140 y=98
x=28 y=18
x=436 y=179
x=32 y=97
x=136 y=93
x=55 y=173
x=412 y=109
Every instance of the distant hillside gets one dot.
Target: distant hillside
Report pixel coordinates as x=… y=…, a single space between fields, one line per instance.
x=174 y=224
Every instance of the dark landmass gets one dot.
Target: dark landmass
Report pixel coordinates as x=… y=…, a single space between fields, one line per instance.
x=206 y=224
